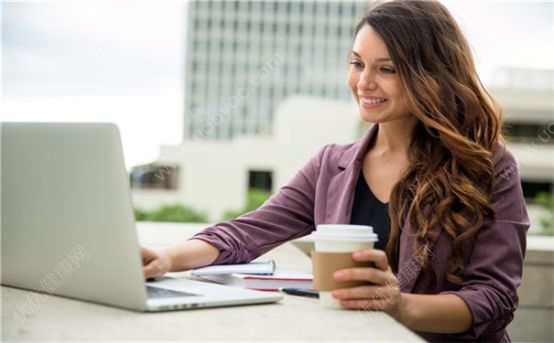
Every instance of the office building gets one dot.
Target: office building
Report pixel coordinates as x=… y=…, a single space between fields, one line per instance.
x=244 y=57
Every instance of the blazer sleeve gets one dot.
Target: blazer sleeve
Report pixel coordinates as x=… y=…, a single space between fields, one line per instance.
x=287 y=215
x=494 y=270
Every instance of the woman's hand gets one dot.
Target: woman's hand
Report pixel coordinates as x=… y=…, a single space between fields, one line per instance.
x=382 y=292
x=155 y=262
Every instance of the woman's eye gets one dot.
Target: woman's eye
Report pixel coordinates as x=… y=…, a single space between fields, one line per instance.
x=387 y=70
x=356 y=64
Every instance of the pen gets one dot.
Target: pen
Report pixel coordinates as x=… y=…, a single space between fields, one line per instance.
x=301 y=292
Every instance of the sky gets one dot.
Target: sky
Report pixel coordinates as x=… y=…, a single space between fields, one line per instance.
x=123 y=61
x=117 y=61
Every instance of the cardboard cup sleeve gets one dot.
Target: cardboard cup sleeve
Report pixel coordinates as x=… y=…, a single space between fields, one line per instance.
x=324 y=264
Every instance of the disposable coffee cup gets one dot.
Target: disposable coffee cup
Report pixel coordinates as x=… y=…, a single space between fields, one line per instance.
x=334 y=245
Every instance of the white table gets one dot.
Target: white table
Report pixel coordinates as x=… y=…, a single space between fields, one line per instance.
x=294 y=318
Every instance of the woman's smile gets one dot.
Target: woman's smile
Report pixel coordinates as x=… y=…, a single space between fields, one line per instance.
x=370 y=102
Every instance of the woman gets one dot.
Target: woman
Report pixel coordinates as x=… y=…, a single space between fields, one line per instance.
x=434 y=163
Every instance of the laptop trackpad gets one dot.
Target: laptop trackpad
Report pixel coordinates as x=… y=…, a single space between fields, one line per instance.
x=158 y=292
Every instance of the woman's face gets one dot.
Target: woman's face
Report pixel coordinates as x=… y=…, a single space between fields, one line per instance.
x=373 y=79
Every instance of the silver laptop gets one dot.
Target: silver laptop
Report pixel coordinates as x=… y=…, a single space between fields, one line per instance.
x=68 y=225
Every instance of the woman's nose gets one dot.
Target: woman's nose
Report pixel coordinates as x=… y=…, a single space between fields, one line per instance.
x=367 y=81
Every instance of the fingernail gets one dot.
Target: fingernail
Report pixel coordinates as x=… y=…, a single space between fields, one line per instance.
x=339 y=275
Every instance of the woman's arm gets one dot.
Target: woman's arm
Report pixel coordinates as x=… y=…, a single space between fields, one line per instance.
x=191 y=254
x=440 y=313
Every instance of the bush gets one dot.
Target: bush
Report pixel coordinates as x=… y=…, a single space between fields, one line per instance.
x=254 y=199
x=171 y=213
x=141 y=215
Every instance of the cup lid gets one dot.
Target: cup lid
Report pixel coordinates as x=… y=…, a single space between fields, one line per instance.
x=344 y=237
x=344 y=229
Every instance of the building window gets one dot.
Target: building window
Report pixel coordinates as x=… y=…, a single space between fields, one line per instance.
x=260 y=180
x=529 y=132
x=155 y=176
x=532 y=188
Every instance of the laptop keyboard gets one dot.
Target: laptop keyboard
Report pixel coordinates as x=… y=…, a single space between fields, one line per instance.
x=157 y=292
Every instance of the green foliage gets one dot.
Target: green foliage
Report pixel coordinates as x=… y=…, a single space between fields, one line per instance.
x=254 y=199
x=141 y=215
x=546 y=200
x=171 y=213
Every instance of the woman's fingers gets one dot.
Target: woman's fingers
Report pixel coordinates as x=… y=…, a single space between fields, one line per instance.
x=147 y=255
x=367 y=304
x=378 y=257
x=382 y=294
x=150 y=271
x=375 y=298
x=365 y=292
x=155 y=263
x=379 y=275
x=372 y=275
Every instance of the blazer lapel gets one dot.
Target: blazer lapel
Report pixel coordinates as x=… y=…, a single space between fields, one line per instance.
x=340 y=193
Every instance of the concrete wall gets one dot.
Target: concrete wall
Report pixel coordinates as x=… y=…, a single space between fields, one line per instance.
x=534 y=319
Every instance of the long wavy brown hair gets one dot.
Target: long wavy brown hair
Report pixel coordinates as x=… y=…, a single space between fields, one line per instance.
x=451 y=174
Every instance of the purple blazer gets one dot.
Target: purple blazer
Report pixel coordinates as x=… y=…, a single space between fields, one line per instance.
x=322 y=192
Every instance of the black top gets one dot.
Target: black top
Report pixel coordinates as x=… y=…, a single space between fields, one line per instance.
x=368 y=210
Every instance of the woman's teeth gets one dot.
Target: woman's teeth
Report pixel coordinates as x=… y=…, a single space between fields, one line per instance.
x=373 y=101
